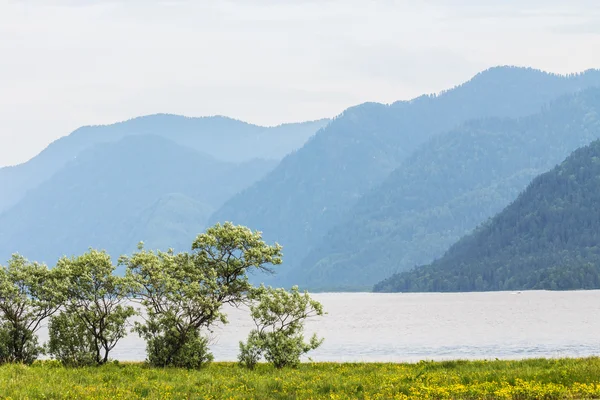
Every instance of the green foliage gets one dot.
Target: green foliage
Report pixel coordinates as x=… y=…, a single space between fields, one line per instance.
x=183 y=293
x=279 y=317
x=169 y=347
x=548 y=238
x=315 y=188
x=284 y=350
x=70 y=341
x=27 y=296
x=251 y=351
x=96 y=298
x=18 y=344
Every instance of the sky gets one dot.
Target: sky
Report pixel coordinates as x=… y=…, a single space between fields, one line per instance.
x=69 y=63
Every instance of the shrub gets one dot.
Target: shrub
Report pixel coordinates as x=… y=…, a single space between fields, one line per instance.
x=18 y=344
x=283 y=349
x=166 y=348
x=279 y=316
x=70 y=341
x=251 y=351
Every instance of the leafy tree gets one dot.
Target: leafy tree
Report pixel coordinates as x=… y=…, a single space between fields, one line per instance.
x=183 y=293
x=27 y=297
x=95 y=298
x=279 y=316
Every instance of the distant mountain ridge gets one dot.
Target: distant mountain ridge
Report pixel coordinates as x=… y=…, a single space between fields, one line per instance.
x=548 y=238
x=313 y=189
x=113 y=194
x=445 y=189
x=220 y=137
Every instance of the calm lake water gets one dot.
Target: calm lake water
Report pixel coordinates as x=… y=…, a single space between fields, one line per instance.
x=432 y=326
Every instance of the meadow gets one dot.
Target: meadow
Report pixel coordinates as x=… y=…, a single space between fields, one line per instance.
x=526 y=379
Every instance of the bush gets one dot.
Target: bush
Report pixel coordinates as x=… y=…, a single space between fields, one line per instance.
x=165 y=347
x=284 y=350
x=251 y=351
x=70 y=342
x=279 y=316
x=18 y=344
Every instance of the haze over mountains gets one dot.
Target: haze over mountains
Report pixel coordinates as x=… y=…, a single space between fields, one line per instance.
x=221 y=137
x=108 y=186
x=446 y=188
x=375 y=191
x=314 y=189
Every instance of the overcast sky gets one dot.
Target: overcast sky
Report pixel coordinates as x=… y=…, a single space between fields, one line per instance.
x=67 y=63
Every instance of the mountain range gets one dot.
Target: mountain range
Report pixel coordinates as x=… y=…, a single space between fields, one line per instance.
x=355 y=200
x=445 y=189
x=154 y=179
x=548 y=238
x=314 y=189
x=223 y=138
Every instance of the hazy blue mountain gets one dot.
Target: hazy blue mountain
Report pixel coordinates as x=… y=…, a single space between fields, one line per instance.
x=445 y=189
x=223 y=138
x=312 y=189
x=548 y=238
x=114 y=194
x=169 y=222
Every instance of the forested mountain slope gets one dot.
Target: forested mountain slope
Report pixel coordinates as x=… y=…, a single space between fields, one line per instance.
x=313 y=188
x=445 y=189
x=548 y=238
x=115 y=194
x=220 y=137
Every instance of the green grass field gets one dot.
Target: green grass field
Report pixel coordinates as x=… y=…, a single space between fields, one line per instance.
x=530 y=379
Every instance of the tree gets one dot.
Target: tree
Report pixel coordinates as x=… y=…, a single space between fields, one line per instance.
x=183 y=294
x=279 y=317
x=95 y=298
x=27 y=297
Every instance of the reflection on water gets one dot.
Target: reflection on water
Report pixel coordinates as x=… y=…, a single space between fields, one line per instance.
x=434 y=326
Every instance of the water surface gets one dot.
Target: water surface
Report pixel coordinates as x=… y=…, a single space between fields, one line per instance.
x=432 y=326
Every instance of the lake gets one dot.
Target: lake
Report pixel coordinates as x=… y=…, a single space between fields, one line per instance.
x=431 y=326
